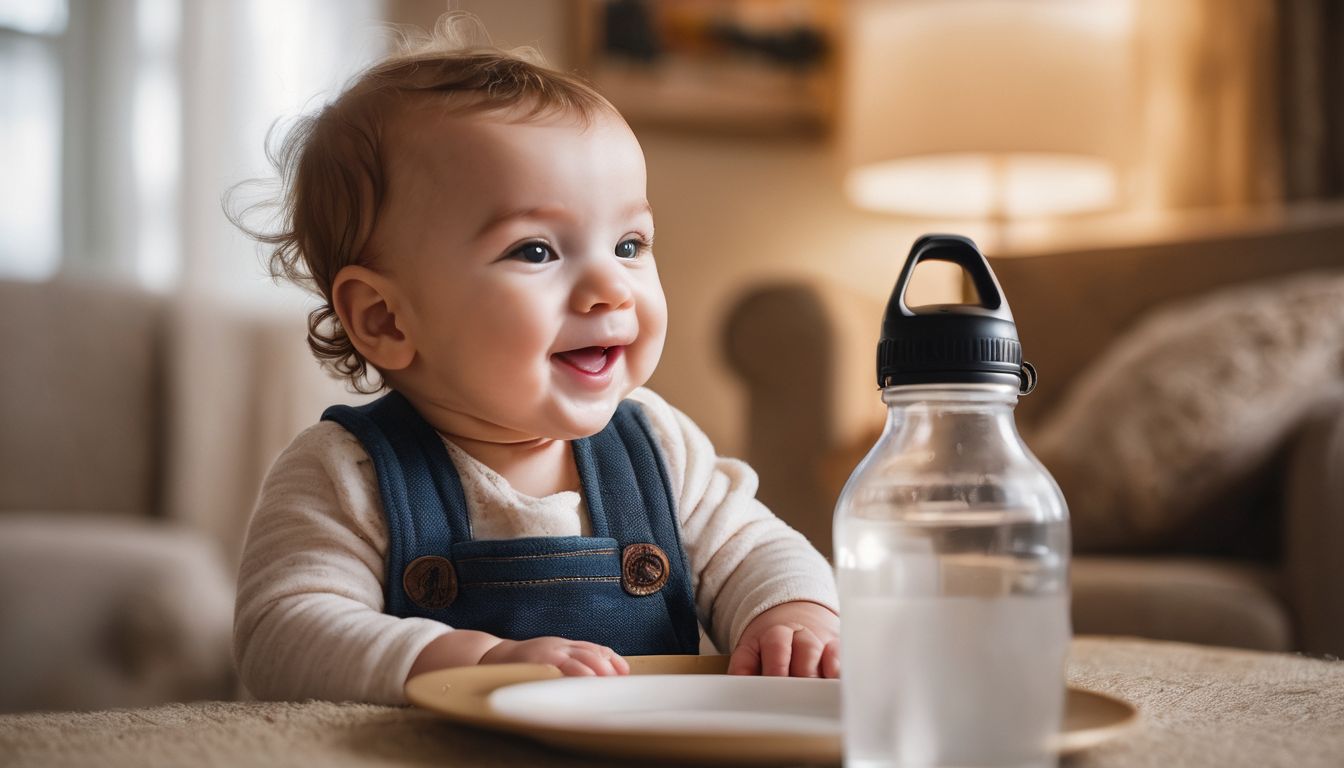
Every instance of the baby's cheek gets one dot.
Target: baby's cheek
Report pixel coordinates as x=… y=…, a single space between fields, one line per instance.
x=652 y=336
x=644 y=359
x=515 y=333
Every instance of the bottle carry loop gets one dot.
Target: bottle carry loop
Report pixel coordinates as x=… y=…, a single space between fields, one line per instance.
x=951 y=343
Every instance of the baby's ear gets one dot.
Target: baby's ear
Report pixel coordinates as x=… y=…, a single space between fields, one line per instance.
x=366 y=302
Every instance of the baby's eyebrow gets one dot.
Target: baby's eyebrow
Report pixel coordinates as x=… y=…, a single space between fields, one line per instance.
x=541 y=212
x=548 y=212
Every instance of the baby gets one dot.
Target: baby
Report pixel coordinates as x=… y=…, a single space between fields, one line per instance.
x=477 y=227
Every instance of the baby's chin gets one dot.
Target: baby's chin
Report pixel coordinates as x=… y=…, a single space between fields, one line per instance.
x=568 y=419
x=587 y=425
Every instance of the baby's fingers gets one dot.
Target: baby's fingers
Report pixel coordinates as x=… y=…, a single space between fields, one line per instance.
x=830 y=660
x=746 y=660
x=600 y=660
x=776 y=650
x=807 y=651
x=592 y=659
x=573 y=667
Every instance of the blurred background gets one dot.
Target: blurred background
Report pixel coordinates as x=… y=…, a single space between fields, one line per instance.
x=1129 y=166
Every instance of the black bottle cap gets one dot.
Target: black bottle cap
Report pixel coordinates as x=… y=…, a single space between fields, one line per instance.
x=951 y=343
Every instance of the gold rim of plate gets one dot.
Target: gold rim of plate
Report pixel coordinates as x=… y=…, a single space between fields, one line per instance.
x=462 y=694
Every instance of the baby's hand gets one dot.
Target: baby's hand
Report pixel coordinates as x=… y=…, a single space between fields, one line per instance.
x=798 y=639
x=573 y=657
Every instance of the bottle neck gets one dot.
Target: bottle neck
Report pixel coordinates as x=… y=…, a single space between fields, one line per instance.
x=953 y=396
x=972 y=415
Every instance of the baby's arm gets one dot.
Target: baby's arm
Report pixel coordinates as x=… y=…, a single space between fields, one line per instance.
x=757 y=581
x=309 y=619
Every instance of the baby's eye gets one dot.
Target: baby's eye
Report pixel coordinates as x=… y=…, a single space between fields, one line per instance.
x=629 y=249
x=533 y=253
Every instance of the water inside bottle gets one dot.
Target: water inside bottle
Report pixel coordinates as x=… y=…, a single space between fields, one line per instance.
x=956 y=633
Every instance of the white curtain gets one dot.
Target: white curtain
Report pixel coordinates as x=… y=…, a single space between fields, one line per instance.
x=243 y=380
x=246 y=64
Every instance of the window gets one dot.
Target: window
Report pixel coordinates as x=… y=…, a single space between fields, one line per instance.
x=90 y=125
x=122 y=122
x=31 y=36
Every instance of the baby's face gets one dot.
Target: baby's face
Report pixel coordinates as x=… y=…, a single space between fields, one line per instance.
x=521 y=253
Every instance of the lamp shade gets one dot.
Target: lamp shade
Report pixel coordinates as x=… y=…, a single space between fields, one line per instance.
x=985 y=108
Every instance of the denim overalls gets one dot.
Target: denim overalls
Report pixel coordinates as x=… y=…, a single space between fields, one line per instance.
x=627 y=586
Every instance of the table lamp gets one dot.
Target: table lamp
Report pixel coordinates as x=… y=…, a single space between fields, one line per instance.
x=989 y=110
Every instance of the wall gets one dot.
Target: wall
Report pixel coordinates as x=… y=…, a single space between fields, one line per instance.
x=733 y=213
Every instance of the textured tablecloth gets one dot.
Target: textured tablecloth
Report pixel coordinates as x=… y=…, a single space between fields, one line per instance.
x=1201 y=707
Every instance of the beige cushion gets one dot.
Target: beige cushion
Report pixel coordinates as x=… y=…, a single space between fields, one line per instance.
x=100 y=612
x=1169 y=428
x=1190 y=600
x=1069 y=305
x=1314 y=529
x=82 y=383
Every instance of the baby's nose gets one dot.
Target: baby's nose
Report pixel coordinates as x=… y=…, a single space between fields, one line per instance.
x=603 y=284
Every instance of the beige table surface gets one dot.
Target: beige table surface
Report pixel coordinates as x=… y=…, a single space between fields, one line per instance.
x=1201 y=707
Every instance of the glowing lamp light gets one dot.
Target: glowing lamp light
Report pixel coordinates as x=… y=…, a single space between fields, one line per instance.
x=986 y=109
x=971 y=186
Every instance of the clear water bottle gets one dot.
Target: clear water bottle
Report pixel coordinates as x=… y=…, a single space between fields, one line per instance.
x=952 y=546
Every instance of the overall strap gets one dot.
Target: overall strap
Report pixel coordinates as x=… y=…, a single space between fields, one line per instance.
x=630 y=499
x=422 y=497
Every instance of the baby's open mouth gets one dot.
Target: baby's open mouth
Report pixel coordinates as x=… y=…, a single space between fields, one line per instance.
x=591 y=360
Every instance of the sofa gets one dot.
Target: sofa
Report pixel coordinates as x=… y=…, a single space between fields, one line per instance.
x=136 y=430
x=804 y=351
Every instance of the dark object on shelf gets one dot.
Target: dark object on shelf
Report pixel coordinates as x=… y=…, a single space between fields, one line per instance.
x=629 y=31
x=801 y=47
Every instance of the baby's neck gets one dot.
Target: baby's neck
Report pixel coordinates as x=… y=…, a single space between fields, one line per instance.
x=538 y=467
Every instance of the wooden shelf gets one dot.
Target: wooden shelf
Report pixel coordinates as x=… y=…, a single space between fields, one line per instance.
x=716 y=91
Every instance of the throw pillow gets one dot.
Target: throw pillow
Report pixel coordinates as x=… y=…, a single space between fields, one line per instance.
x=1189 y=404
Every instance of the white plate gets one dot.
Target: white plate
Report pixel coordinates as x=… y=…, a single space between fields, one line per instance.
x=684 y=709
x=672 y=704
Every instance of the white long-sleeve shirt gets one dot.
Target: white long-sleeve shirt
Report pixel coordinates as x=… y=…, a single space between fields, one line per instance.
x=309 y=619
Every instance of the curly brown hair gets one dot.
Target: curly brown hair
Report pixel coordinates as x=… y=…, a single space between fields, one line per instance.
x=330 y=164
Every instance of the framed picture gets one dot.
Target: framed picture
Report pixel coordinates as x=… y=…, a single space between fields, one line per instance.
x=754 y=67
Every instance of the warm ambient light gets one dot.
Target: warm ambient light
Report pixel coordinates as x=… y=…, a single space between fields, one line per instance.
x=986 y=109
x=981 y=186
